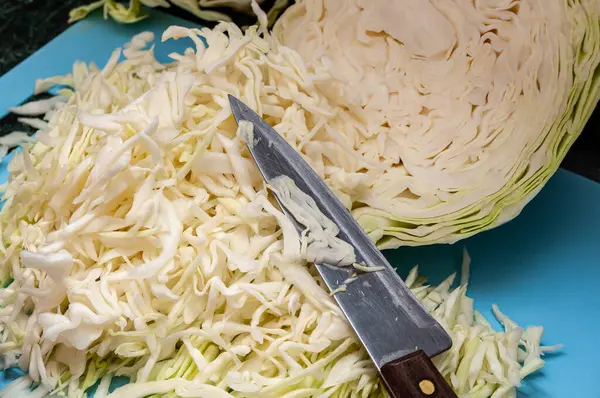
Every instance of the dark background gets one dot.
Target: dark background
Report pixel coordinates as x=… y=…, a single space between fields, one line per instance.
x=26 y=25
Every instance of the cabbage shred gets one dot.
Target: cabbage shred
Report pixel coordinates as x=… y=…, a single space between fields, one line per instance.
x=319 y=241
x=138 y=240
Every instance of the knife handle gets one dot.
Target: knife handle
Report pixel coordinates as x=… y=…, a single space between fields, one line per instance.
x=415 y=376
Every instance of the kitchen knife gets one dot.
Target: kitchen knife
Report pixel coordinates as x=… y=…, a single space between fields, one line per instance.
x=395 y=329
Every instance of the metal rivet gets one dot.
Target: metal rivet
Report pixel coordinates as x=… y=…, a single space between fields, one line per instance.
x=427 y=387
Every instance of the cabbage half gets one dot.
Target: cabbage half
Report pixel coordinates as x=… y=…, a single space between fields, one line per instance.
x=469 y=106
x=138 y=241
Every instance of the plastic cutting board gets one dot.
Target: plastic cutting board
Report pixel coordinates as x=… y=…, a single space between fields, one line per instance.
x=542 y=268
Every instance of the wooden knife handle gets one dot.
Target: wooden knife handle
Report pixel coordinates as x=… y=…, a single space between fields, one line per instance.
x=415 y=376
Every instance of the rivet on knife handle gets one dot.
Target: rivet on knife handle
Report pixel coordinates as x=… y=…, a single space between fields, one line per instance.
x=415 y=376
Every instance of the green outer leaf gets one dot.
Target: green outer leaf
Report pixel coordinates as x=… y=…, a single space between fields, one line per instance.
x=199 y=8
x=79 y=13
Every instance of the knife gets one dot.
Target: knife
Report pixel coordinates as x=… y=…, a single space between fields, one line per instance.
x=395 y=329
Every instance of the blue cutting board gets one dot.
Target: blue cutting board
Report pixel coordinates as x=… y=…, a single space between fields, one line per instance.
x=542 y=268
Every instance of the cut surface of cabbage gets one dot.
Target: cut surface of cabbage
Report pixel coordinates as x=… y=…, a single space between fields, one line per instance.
x=470 y=105
x=138 y=240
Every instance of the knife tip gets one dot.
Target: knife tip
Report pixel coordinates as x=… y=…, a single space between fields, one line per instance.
x=237 y=107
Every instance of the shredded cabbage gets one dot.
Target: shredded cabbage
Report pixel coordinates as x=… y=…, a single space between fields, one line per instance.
x=320 y=243
x=246 y=132
x=12 y=140
x=138 y=240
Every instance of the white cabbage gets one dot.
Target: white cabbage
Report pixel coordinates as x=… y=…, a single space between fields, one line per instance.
x=469 y=106
x=138 y=240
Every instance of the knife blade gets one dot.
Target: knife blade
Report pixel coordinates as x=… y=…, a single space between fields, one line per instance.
x=396 y=330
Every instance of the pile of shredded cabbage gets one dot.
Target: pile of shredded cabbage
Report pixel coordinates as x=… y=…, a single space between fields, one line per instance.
x=138 y=240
